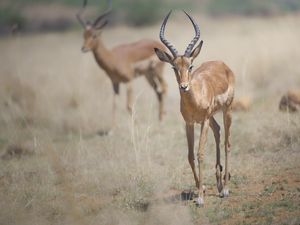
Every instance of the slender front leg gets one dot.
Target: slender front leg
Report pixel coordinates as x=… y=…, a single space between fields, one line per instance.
x=116 y=92
x=216 y=130
x=227 y=123
x=200 y=155
x=129 y=98
x=190 y=140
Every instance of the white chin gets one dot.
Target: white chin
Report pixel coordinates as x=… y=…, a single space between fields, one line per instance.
x=185 y=90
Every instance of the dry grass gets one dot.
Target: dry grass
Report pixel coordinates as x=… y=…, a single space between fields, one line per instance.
x=54 y=99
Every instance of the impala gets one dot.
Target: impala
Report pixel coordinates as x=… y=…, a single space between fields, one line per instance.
x=203 y=92
x=290 y=101
x=125 y=62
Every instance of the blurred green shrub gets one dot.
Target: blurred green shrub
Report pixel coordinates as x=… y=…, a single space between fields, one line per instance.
x=289 y=5
x=140 y=12
x=29 y=2
x=147 y=12
x=251 y=7
x=10 y=17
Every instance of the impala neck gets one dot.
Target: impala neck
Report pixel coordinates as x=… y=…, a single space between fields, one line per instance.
x=187 y=96
x=103 y=56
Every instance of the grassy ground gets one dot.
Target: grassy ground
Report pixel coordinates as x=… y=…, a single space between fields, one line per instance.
x=55 y=169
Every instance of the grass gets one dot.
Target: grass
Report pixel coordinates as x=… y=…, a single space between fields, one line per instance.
x=54 y=99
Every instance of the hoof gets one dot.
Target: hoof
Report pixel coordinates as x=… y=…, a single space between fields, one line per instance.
x=224 y=193
x=220 y=187
x=199 y=202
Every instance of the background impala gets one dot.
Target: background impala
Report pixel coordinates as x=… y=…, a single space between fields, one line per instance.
x=125 y=62
x=55 y=170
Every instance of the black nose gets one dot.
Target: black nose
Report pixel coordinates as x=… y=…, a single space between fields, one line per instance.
x=183 y=86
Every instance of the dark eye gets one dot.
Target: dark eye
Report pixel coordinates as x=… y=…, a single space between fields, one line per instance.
x=191 y=67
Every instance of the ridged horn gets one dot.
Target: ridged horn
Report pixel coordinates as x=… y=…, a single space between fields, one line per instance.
x=78 y=15
x=192 y=44
x=162 y=36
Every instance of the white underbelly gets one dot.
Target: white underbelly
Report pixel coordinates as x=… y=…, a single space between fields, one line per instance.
x=225 y=98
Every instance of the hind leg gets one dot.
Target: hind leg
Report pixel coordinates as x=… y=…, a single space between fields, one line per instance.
x=129 y=97
x=116 y=88
x=154 y=85
x=227 y=123
x=161 y=95
x=163 y=88
x=155 y=79
x=216 y=130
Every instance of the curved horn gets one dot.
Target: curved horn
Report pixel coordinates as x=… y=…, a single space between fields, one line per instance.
x=162 y=36
x=190 y=47
x=103 y=14
x=78 y=15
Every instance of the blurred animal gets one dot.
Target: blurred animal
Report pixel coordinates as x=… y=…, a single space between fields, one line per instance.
x=125 y=62
x=242 y=104
x=290 y=101
x=204 y=91
x=16 y=151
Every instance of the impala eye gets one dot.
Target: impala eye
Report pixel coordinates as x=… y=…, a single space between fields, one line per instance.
x=190 y=68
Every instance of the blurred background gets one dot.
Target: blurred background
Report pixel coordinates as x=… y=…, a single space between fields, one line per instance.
x=55 y=168
x=43 y=15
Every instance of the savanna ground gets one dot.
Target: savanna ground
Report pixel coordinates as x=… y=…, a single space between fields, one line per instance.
x=55 y=169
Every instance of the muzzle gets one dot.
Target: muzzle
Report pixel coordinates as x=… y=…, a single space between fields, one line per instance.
x=184 y=86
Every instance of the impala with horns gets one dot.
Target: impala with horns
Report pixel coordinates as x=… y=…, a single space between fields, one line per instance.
x=125 y=62
x=203 y=92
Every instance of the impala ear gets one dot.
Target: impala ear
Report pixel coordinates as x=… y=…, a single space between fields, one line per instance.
x=197 y=50
x=163 y=56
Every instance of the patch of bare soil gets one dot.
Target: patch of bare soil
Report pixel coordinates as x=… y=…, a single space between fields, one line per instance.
x=268 y=200
x=273 y=199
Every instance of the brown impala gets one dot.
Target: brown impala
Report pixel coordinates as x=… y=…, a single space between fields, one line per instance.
x=125 y=62
x=204 y=91
x=290 y=101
